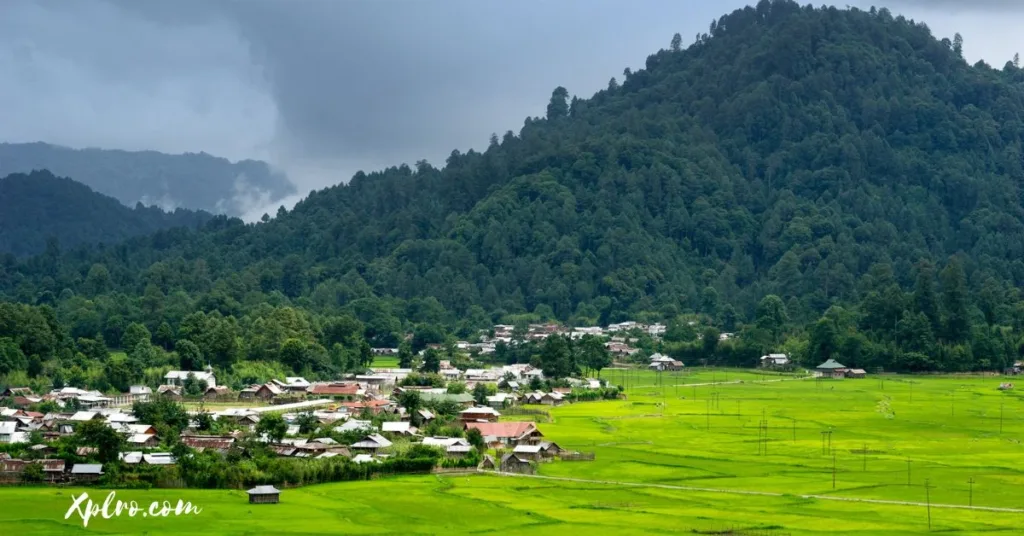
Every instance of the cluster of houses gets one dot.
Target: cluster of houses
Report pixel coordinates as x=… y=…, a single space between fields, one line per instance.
x=829 y=369
x=338 y=406
x=505 y=333
x=17 y=425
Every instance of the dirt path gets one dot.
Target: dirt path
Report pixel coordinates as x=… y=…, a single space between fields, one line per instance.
x=733 y=382
x=769 y=493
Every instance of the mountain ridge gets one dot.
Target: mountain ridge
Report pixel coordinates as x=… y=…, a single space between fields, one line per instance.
x=38 y=206
x=812 y=178
x=187 y=180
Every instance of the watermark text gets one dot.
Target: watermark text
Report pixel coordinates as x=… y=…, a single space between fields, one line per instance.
x=112 y=507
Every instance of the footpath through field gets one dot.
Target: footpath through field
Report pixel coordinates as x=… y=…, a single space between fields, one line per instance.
x=768 y=493
x=731 y=382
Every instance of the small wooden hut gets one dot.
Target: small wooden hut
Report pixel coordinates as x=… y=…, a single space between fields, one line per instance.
x=264 y=495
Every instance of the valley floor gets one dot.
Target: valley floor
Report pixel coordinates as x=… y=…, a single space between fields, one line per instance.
x=683 y=454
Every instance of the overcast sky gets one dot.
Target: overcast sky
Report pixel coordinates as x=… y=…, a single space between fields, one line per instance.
x=323 y=88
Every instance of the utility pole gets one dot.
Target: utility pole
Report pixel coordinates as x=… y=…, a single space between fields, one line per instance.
x=766 y=437
x=970 y=497
x=833 y=470
x=928 y=501
x=1002 y=399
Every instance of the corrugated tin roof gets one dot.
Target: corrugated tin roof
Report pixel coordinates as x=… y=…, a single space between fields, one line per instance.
x=87 y=469
x=263 y=490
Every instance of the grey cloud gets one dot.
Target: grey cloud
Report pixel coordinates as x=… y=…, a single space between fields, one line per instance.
x=348 y=84
x=85 y=73
x=324 y=88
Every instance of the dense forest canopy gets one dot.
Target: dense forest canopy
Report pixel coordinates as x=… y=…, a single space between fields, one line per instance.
x=192 y=181
x=829 y=182
x=38 y=207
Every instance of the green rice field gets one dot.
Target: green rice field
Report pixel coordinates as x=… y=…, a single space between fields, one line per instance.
x=677 y=456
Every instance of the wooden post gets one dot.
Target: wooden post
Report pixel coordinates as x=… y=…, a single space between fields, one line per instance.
x=833 y=470
x=1002 y=398
x=928 y=502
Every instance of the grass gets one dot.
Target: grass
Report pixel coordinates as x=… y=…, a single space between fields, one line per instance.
x=385 y=361
x=668 y=433
x=708 y=436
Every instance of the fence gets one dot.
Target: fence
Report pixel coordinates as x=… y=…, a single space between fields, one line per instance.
x=577 y=456
x=454 y=470
x=739 y=531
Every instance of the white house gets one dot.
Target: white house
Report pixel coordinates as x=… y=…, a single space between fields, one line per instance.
x=7 y=430
x=178 y=377
x=140 y=392
x=774 y=360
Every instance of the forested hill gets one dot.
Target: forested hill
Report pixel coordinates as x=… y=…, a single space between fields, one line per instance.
x=830 y=157
x=37 y=207
x=192 y=181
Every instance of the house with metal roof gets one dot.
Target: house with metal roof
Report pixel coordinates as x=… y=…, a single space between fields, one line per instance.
x=264 y=495
x=831 y=368
x=373 y=442
x=86 y=472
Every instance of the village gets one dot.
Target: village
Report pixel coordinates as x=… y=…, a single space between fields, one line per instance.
x=360 y=418
x=488 y=418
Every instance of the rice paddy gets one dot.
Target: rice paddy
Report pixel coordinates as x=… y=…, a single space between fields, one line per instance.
x=796 y=456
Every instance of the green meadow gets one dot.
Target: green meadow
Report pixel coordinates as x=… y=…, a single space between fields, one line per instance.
x=675 y=457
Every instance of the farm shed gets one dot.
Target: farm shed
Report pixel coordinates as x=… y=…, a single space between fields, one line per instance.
x=514 y=463
x=489 y=464
x=86 y=472
x=264 y=495
x=528 y=452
